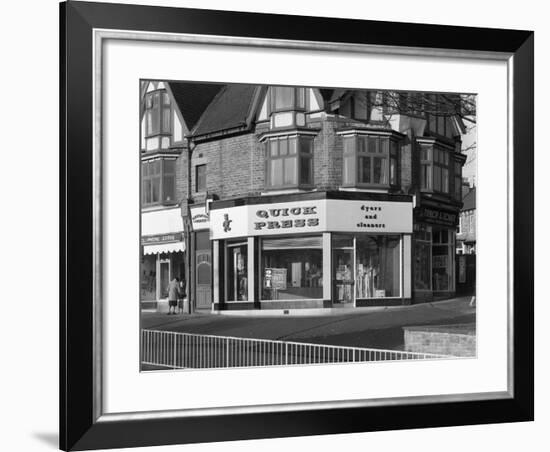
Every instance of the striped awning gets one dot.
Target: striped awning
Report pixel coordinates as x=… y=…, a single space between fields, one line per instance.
x=159 y=248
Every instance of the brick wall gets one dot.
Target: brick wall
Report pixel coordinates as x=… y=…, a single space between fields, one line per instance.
x=442 y=341
x=234 y=166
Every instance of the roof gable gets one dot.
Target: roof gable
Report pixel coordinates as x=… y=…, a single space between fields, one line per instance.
x=192 y=99
x=231 y=109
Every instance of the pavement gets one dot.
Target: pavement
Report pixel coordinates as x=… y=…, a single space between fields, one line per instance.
x=377 y=327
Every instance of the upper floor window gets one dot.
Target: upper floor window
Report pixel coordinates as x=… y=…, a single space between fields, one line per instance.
x=434 y=169
x=158 y=179
x=157 y=113
x=289 y=162
x=370 y=160
x=284 y=98
x=200 y=178
x=458 y=181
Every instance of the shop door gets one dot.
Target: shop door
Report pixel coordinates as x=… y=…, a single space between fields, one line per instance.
x=164 y=278
x=204 y=280
x=344 y=281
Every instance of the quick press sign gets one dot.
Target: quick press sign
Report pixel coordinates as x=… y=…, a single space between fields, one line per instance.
x=327 y=215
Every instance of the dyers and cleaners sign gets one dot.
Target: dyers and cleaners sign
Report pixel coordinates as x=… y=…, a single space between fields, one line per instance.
x=303 y=217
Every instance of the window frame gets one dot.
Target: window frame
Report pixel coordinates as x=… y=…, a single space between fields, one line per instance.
x=293 y=104
x=163 y=106
x=353 y=154
x=197 y=188
x=161 y=175
x=438 y=161
x=298 y=155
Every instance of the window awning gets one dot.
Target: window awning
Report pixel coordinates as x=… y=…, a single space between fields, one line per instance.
x=164 y=248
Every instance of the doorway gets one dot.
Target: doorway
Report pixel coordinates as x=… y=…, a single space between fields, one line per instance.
x=344 y=281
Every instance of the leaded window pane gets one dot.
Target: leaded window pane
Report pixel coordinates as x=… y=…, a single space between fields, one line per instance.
x=364 y=170
x=305 y=170
x=380 y=170
x=283 y=146
x=276 y=173
x=289 y=171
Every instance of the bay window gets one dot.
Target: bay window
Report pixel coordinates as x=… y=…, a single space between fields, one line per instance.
x=434 y=169
x=370 y=160
x=158 y=182
x=289 y=162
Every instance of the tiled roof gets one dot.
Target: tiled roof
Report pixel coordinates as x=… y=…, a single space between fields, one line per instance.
x=230 y=109
x=193 y=98
x=470 y=200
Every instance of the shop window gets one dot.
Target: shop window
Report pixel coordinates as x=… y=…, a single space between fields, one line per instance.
x=370 y=160
x=237 y=272
x=434 y=169
x=149 y=278
x=292 y=269
x=200 y=178
x=442 y=253
x=289 y=162
x=158 y=182
x=157 y=113
x=377 y=266
x=422 y=258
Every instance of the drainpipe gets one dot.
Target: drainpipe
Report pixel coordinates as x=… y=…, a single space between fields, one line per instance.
x=187 y=231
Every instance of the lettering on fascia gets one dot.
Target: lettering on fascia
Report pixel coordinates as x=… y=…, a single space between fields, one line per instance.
x=371 y=215
x=286 y=218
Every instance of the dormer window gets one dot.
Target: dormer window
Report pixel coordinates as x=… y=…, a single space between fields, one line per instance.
x=156 y=122
x=287 y=106
x=370 y=161
x=157 y=113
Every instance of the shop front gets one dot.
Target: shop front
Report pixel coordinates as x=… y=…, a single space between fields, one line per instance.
x=162 y=256
x=311 y=250
x=434 y=250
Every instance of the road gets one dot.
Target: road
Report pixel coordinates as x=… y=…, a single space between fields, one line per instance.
x=364 y=327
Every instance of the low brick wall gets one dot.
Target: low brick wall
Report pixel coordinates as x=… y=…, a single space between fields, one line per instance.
x=454 y=340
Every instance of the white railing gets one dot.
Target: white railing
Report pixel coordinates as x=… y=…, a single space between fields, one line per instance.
x=167 y=349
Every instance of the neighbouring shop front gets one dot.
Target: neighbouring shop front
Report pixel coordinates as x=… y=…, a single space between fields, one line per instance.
x=434 y=252
x=312 y=250
x=162 y=256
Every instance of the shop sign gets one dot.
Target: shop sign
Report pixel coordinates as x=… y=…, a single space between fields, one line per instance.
x=302 y=217
x=369 y=216
x=200 y=218
x=161 y=238
x=436 y=216
x=286 y=218
x=275 y=278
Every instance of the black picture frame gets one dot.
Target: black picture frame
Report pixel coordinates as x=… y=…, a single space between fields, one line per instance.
x=80 y=425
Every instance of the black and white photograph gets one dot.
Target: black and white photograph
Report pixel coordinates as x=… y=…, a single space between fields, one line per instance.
x=297 y=225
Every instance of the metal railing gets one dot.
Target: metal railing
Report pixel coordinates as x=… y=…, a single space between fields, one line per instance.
x=167 y=349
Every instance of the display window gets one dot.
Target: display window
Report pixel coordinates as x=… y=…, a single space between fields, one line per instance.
x=237 y=272
x=442 y=262
x=377 y=266
x=422 y=258
x=149 y=278
x=292 y=268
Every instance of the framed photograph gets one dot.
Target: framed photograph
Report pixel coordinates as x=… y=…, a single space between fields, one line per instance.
x=279 y=226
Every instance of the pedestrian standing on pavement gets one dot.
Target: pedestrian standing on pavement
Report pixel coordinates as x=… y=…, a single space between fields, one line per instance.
x=181 y=295
x=173 y=294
